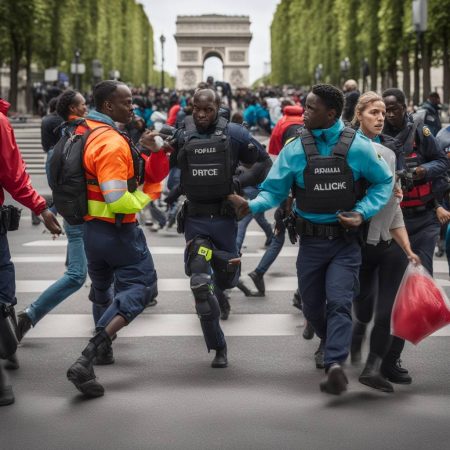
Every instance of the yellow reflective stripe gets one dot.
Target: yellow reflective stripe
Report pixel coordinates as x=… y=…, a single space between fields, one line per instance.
x=99 y=209
x=113 y=184
x=130 y=203
x=113 y=196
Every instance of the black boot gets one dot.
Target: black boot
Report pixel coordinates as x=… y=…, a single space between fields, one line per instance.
x=392 y=370
x=371 y=375
x=336 y=380
x=12 y=363
x=220 y=361
x=23 y=325
x=224 y=304
x=319 y=356
x=308 y=332
x=105 y=355
x=6 y=392
x=81 y=373
x=242 y=287
x=258 y=280
x=358 y=336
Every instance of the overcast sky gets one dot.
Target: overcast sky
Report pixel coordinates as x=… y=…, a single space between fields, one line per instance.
x=163 y=14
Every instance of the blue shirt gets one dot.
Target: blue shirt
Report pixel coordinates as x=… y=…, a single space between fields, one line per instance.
x=291 y=162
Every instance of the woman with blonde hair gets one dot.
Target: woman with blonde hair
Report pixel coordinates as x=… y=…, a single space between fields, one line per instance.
x=385 y=255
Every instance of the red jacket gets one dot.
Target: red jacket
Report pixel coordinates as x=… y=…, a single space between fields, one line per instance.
x=292 y=115
x=13 y=176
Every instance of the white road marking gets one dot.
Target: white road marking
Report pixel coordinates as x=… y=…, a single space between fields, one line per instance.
x=80 y=325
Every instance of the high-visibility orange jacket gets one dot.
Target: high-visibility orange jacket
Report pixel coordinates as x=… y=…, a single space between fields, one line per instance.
x=109 y=166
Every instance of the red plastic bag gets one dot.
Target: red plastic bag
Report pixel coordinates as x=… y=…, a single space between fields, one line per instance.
x=420 y=308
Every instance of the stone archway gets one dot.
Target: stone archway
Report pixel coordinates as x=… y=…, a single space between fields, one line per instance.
x=199 y=37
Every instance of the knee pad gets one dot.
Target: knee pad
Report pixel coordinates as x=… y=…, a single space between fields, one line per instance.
x=199 y=256
x=206 y=303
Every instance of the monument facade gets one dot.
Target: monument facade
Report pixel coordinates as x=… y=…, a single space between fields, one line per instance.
x=200 y=37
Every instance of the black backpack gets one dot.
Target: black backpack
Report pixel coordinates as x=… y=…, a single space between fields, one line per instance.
x=67 y=177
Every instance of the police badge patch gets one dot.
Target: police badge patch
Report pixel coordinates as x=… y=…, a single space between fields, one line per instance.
x=426 y=131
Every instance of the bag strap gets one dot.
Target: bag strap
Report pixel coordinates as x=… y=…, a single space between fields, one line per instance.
x=345 y=141
x=309 y=144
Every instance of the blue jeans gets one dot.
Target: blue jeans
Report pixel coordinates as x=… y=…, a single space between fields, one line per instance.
x=327 y=272
x=72 y=280
x=251 y=193
x=7 y=274
x=271 y=254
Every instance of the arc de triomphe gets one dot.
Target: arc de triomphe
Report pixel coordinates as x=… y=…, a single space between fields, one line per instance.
x=199 y=37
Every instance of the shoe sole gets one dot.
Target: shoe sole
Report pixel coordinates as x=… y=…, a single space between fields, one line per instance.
x=8 y=399
x=105 y=362
x=90 y=388
x=397 y=381
x=335 y=384
x=219 y=366
x=367 y=382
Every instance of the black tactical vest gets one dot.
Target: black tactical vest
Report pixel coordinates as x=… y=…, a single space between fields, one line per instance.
x=206 y=164
x=329 y=183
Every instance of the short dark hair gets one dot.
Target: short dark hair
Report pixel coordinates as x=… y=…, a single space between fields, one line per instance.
x=216 y=96
x=397 y=93
x=434 y=95
x=104 y=90
x=65 y=101
x=332 y=97
x=52 y=104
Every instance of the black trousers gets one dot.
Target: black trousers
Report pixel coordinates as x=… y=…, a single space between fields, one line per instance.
x=381 y=272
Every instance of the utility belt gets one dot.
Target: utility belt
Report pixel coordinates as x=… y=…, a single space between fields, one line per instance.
x=194 y=209
x=223 y=208
x=9 y=218
x=319 y=230
x=416 y=210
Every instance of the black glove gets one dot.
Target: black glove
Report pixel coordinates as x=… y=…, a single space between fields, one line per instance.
x=173 y=195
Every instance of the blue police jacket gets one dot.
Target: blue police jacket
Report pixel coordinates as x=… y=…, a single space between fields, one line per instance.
x=291 y=162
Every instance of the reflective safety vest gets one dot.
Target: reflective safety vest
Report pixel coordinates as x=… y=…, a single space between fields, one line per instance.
x=114 y=169
x=329 y=183
x=206 y=164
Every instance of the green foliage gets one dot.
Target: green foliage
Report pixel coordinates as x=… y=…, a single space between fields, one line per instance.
x=116 y=32
x=307 y=33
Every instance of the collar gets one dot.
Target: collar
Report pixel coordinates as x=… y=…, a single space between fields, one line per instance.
x=100 y=117
x=329 y=134
x=4 y=106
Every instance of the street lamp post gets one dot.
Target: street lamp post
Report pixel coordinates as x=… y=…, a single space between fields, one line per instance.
x=162 y=39
x=77 y=69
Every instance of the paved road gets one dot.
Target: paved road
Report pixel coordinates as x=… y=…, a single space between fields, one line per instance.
x=162 y=394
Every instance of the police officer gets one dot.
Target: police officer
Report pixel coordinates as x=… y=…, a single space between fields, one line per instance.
x=207 y=151
x=423 y=182
x=326 y=164
x=116 y=248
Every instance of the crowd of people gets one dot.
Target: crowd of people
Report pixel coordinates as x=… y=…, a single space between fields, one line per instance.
x=356 y=179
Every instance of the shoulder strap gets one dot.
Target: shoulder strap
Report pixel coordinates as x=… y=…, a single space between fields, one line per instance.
x=189 y=125
x=409 y=142
x=221 y=125
x=308 y=142
x=345 y=141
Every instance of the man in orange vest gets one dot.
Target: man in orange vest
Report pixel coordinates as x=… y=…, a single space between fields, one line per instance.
x=115 y=245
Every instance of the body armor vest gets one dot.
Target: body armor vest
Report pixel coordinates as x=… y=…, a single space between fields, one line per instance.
x=206 y=164
x=329 y=183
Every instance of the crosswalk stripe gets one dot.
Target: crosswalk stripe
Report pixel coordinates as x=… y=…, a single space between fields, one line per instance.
x=62 y=242
x=287 y=252
x=146 y=325
x=279 y=284
x=164 y=285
